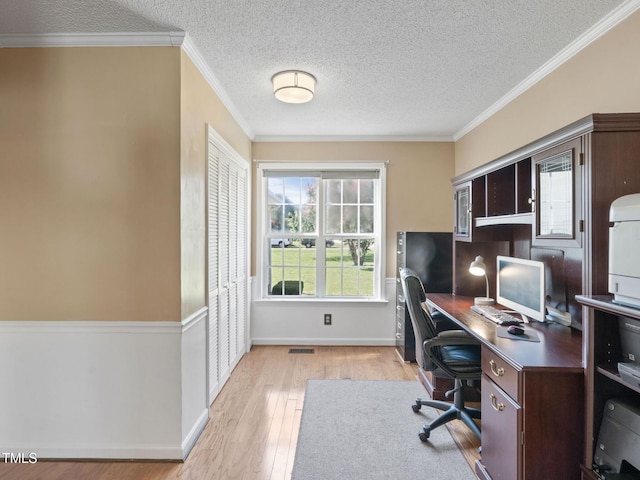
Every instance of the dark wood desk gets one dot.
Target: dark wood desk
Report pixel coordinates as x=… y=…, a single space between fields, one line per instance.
x=532 y=397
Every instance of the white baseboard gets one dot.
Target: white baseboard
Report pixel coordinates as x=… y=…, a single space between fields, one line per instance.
x=360 y=342
x=194 y=434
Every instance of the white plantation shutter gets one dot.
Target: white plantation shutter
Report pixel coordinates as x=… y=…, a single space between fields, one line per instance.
x=228 y=265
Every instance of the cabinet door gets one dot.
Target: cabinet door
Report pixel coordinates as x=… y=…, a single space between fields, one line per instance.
x=501 y=437
x=462 y=212
x=556 y=195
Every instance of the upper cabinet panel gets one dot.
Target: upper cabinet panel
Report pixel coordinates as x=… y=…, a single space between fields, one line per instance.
x=556 y=195
x=462 y=213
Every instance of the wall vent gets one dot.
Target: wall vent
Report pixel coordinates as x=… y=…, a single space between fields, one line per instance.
x=302 y=350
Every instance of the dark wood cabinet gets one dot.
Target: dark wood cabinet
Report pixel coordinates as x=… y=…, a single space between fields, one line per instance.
x=462 y=212
x=603 y=380
x=532 y=411
x=430 y=255
x=501 y=431
x=602 y=152
x=557 y=195
x=513 y=200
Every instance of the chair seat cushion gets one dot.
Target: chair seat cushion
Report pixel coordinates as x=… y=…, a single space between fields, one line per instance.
x=461 y=358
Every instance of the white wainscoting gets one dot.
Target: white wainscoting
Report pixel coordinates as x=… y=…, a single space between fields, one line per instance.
x=290 y=322
x=120 y=390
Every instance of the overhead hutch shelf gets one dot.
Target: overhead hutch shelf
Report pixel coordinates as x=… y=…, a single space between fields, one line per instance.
x=549 y=201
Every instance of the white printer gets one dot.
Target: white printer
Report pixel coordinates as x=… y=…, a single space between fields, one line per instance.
x=624 y=250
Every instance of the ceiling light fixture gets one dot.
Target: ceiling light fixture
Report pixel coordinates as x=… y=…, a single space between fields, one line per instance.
x=293 y=86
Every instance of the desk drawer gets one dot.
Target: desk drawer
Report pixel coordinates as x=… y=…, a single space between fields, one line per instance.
x=501 y=437
x=500 y=372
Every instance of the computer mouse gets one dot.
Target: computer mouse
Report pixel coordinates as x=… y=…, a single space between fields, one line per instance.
x=515 y=330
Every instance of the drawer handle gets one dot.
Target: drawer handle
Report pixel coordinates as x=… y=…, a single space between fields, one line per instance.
x=498 y=407
x=498 y=372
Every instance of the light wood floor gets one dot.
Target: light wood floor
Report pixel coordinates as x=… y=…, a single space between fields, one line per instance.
x=253 y=426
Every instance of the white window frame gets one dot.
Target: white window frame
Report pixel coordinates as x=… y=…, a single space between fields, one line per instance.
x=379 y=220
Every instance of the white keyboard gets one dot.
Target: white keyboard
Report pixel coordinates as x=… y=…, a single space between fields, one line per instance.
x=495 y=315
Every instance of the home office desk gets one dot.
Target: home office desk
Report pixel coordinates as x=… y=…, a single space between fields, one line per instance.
x=532 y=397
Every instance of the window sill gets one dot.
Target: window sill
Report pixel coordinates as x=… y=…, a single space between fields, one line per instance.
x=342 y=301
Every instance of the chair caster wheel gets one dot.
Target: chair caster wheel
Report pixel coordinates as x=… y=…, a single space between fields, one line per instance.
x=424 y=436
x=416 y=408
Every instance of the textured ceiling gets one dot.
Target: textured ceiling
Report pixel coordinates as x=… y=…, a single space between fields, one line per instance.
x=398 y=68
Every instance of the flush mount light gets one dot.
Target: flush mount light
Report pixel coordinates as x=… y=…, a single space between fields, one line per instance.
x=293 y=86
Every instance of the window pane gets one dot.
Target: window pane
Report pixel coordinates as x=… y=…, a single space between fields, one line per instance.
x=276 y=251
x=358 y=251
x=366 y=219
x=276 y=190
x=292 y=190
x=309 y=219
x=333 y=285
x=293 y=219
x=366 y=191
x=350 y=219
x=275 y=276
x=333 y=219
x=309 y=190
x=277 y=217
x=308 y=276
x=351 y=281
x=333 y=191
x=350 y=191
x=349 y=269
x=293 y=268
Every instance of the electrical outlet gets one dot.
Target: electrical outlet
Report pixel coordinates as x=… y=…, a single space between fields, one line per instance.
x=327 y=319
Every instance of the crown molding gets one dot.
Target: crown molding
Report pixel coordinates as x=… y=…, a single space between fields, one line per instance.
x=603 y=26
x=140 y=39
x=189 y=47
x=349 y=138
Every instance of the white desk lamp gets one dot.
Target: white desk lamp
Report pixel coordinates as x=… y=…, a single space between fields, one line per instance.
x=478 y=268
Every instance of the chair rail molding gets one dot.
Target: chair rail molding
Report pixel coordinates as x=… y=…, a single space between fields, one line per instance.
x=104 y=390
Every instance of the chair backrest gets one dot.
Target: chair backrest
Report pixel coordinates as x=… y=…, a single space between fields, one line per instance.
x=423 y=325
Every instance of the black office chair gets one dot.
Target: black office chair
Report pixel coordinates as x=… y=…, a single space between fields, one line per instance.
x=447 y=353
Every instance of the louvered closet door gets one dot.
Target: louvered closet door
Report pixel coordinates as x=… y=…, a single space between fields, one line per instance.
x=242 y=293
x=228 y=263
x=213 y=271
x=224 y=261
x=233 y=265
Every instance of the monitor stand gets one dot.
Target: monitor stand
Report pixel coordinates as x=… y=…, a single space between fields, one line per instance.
x=558 y=316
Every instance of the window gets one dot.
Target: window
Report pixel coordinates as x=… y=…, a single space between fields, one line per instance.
x=322 y=231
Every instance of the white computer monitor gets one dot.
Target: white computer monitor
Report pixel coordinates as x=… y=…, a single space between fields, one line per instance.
x=520 y=285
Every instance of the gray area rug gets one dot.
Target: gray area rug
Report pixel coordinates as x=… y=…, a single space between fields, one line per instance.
x=365 y=429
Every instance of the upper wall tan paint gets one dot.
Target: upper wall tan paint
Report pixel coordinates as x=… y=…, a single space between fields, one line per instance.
x=602 y=78
x=89 y=184
x=418 y=181
x=199 y=106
